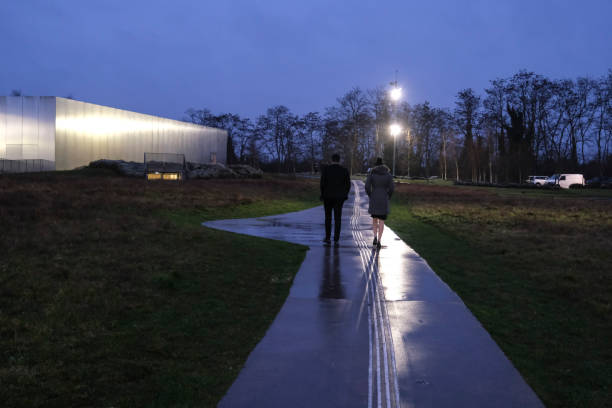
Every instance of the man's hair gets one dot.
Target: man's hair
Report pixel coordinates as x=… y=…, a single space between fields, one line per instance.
x=335 y=157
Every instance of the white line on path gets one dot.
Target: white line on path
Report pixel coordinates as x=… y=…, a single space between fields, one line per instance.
x=378 y=320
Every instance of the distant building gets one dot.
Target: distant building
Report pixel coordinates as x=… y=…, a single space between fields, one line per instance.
x=61 y=134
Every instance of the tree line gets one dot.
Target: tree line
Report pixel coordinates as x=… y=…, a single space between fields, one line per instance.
x=522 y=125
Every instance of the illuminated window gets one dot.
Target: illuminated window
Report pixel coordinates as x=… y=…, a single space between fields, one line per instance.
x=171 y=176
x=164 y=176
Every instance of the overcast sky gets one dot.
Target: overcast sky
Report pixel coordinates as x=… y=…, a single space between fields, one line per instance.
x=162 y=57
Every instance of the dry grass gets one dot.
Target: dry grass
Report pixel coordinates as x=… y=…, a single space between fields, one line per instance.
x=535 y=268
x=568 y=237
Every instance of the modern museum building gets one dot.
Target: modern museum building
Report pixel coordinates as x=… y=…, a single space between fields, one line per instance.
x=53 y=133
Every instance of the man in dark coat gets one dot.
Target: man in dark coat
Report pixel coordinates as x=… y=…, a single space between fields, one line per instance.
x=335 y=186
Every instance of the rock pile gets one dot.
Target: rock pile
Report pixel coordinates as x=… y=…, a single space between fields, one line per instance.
x=193 y=170
x=208 y=171
x=129 y=169
x=246 y=171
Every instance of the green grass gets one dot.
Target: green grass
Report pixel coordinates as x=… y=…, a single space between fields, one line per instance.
x=594 y=193
x=400 y=180
x=112 y=294
x=534 y=270
x=433 y=182
x=248 y=210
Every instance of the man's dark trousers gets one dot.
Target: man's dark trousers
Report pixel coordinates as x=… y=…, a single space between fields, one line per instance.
x=335 y=205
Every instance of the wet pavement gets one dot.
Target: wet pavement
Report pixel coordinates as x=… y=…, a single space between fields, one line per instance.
x=368 y=328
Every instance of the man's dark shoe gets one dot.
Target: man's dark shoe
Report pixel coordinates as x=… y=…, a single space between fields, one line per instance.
x=378 y=245
x=336 y=242
x=327 y=241
x=375 y=242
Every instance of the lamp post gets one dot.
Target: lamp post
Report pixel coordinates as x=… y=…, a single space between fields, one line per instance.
x=408 y=155
x=395 y=129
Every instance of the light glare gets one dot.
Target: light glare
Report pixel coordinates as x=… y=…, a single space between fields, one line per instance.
x=395 y=129
x=396 y=93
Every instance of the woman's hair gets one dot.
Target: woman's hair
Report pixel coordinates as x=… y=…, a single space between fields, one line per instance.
x=379 y=161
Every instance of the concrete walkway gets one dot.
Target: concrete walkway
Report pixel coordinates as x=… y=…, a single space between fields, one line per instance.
x=366 y=328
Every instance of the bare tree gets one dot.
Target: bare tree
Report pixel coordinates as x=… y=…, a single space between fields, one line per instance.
x=353 y=114
x=381 y=115
x=277 y=129
x=495 y=120
x=445 y=130
x=578 y=114
x=525 y=123
x=603 y=119
x=466 y=118
x=313 y=132
x=232 y=123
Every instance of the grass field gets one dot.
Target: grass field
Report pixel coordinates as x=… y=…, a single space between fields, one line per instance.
x=112 y=294
x=535 y=267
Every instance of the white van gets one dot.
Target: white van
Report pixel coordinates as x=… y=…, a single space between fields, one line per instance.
x=568 y=180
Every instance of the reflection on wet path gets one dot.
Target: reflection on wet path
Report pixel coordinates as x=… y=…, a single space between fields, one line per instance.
x=331 y=282
x=315 y=353
x=383 y=386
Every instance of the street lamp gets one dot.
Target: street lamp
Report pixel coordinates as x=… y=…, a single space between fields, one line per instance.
x=395 y=93
x=409 y=150
x=395 y=129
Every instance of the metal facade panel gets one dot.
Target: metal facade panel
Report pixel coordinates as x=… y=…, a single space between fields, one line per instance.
x=221 y=145
x=29 y=151
x=46 y=128
x=87 y=132
x=14 y=151
x=2 y=127
x=60 y=133
x=69 y=133
x=97 y=145
x=14 y=121
x=27 y=128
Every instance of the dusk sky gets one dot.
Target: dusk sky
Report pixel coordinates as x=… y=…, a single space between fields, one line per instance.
x=163 y=57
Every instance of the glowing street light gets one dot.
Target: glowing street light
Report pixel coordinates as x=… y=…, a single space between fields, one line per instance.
x=395 y=129
x=395 y=93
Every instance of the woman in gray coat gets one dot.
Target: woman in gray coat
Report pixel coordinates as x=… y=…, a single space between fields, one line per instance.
x=379 y=187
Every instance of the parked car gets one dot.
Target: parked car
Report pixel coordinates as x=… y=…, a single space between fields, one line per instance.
x=537 y=180
x=596 y=182
x=570 y=180
x=552 y=180
x=593 y=182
